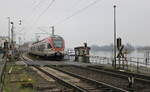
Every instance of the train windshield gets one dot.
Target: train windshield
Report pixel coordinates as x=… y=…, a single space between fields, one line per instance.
x=57 y=43
x=49 y=46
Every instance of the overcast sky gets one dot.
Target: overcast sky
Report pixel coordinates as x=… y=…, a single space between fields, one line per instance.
x=93 y=25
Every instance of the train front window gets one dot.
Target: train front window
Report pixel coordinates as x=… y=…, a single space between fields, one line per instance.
x=49 y=46
x=57 y=43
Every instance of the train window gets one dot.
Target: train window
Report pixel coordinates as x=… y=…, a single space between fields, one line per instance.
x=57 y=43
x=49 y=46
x=42 y=47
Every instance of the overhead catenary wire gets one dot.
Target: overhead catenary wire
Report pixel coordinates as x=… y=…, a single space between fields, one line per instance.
x=49 y=5
x=35 y=5
x=74 y=6
x=38 y=4
x=34 y=2
x=43 y=30
x=66 y=18
x=78 y=12
x=39 y=15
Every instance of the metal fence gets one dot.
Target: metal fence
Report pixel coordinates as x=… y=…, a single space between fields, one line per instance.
x=100 y=60
x=134 y=64
x=137 y=64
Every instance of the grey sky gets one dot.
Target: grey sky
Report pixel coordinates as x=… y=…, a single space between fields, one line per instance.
x=94 y=25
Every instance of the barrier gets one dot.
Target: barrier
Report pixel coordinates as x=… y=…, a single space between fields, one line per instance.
x=134 y=64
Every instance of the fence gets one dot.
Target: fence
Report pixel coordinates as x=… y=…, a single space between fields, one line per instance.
x=137 y=64
x=134 y=64
x=100 y=60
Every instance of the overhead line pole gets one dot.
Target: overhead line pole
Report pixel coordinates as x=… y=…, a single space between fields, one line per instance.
x=9 y=29
x=114 y=63
x=12 y=35
x=53 y=30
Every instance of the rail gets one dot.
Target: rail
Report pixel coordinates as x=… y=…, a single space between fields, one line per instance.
x=104 y=85
x=119 y=74
x=78 y=88
x=144 y=78
x=140 y=81
x=61 y=80
x=2 y=73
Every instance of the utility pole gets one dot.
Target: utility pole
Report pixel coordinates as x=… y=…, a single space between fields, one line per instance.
x=19 y=41
x=12 y=35
x=37 y=37
x=114 y=63
x=53 y=30
x=9 y=30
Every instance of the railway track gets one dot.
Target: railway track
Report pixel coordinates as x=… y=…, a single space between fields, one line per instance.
x=77 y=82
x=51 y=85
x=120 y=74
x=45 y=83
x=145 y=78
x=118 y=80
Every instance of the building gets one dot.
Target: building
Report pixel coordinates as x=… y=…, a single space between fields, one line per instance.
x=82 y=53
x=2 y=40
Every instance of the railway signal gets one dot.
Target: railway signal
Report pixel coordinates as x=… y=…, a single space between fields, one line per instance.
x=120 y=54
x=120 y=48
x=53 y=30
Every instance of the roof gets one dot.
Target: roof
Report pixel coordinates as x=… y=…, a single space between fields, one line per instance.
x=47 y=38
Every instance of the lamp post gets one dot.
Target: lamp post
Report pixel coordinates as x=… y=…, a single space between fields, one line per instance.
x=12 y=34
x=9 y=29
x=114 y=63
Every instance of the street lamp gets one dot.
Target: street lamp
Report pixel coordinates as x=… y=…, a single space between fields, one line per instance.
x=9 y=29
x=12 y=33
x=114 y=63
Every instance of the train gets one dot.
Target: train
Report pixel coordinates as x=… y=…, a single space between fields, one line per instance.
x=51 y=47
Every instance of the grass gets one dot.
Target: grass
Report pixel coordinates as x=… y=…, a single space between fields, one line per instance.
x=20 y=76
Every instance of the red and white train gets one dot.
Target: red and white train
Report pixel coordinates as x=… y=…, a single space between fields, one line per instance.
x=52 y=46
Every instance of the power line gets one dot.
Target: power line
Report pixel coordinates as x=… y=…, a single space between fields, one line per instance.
x=34 y=2
x=43 y=30
x=50 y=4
x=79 y=11
x=37 y=5
x=33 y=10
